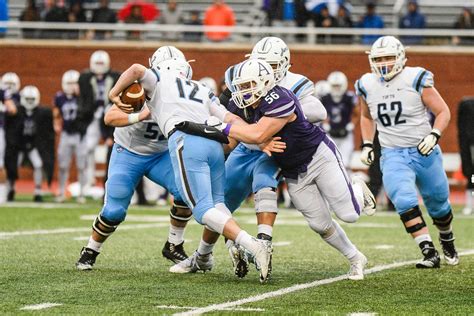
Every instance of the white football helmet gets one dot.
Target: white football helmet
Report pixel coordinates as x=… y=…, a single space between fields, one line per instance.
x=99 y=62
x=253 y=80
x=387 y=46
x=338 y=85
x=69 y=82
x=321 y=88
x=275 y=52
x=178 y=66
x=164 y=53
x=210 y=83
x=30 y=97
x=11 y=82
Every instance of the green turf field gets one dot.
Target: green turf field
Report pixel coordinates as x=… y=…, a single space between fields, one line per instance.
x=40 y=244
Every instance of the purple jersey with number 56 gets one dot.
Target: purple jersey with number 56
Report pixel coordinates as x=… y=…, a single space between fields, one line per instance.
x=301 y=137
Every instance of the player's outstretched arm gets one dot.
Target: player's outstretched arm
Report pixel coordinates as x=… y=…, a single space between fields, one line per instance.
x=117 y=118
x=313 y=109
x=133 y=73
x=259 y=132
x=10 y=107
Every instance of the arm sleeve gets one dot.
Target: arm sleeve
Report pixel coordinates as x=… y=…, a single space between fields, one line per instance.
x=218 y=110
x=149 y=80
x=360 y=90
x=313 y=109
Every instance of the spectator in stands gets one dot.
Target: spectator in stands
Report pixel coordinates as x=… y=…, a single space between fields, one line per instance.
x=465 y=22
x=135 y=17
x=343 y=19
x=412 y=20
x=103 y=14
x=371 y=21
x=193 y=36
x=324 y=19
x=3 y=17
x=30 y=14
x=219 y=14
x=281 y=13
x=76 y=15
x=171 y=15
x=57 y=13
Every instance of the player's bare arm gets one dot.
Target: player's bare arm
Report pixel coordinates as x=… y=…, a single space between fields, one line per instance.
x=133 y=73
x=117 y=118
x=261 y=131
x=10 y=107
x=57 y=120
x=367 y=127
x=435 y=102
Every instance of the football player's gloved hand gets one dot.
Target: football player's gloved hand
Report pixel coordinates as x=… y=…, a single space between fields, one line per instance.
x=427 y=144
x=215 y=122
x=350 y=127
x=367 y=154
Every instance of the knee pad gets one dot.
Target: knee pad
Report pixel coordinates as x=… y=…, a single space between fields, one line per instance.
x=403 y=202
x=412 y=214
x=180 y=213
x=323 y=229
x=350 y=217
x=266 y=200
x=215 y=220
x=444 y=221
x=119 y=186
x=103 y=226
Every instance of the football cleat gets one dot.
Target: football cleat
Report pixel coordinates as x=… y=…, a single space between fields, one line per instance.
x=60 y=199
x=174 y=252
x=370 y=205
x=87 y=259
x=11 y=196
x=37 y=198
x=431 y=260
x=81 y=200
x=450 y=254
x=356 y=271
x=263 y=258
x=239 y=258
x=194 y=264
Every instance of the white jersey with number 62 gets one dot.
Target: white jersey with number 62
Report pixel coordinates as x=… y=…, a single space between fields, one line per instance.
x=396 y=106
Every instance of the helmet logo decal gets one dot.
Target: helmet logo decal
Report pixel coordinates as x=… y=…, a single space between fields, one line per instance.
x=261 y=68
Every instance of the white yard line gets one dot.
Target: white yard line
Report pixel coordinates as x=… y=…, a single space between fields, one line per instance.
x=242 y=309
x=36 y=307
x=281 y=243
x=72 y=230
x=298 y=287
x=384 y=247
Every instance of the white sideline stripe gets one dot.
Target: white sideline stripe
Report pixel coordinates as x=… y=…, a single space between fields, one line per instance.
x=281 y=243
x=243 y=309
x=383 y=247
x=298 y=287
x=72 y=230
x=362 y=314
x=39 y=306
x=134 y=218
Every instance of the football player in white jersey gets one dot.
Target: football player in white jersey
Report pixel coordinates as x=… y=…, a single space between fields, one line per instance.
x=396 y=97
x=198 y=162
x=140 y=149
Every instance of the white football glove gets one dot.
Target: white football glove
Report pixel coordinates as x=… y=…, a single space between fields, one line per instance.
x=217 y=123
x=427 y=144
x=367 y=154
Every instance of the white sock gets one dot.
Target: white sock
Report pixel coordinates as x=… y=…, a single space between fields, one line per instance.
x=63 y=176
x=38 y=179
x=247 y=241
x=94 y=245
x=265 y=229
x=176 y=235
x=3 y=193
x=422 y=238
x=205 y=247
x=341 y=242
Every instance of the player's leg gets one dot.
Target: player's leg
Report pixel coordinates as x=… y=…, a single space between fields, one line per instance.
x=37 y=163
x=3 y=175
x=65 y=151
x=346 y=199
x=434 y=188
x=92 y=138
x=399 y=181
x=308 y=200
x=346 y=148
x=160 y=171
x=125 y=170
x=191 y=157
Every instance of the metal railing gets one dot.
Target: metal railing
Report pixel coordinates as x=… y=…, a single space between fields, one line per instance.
x=150 y=30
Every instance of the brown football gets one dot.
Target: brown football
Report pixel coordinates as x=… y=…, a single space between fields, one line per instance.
x=134 y=95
